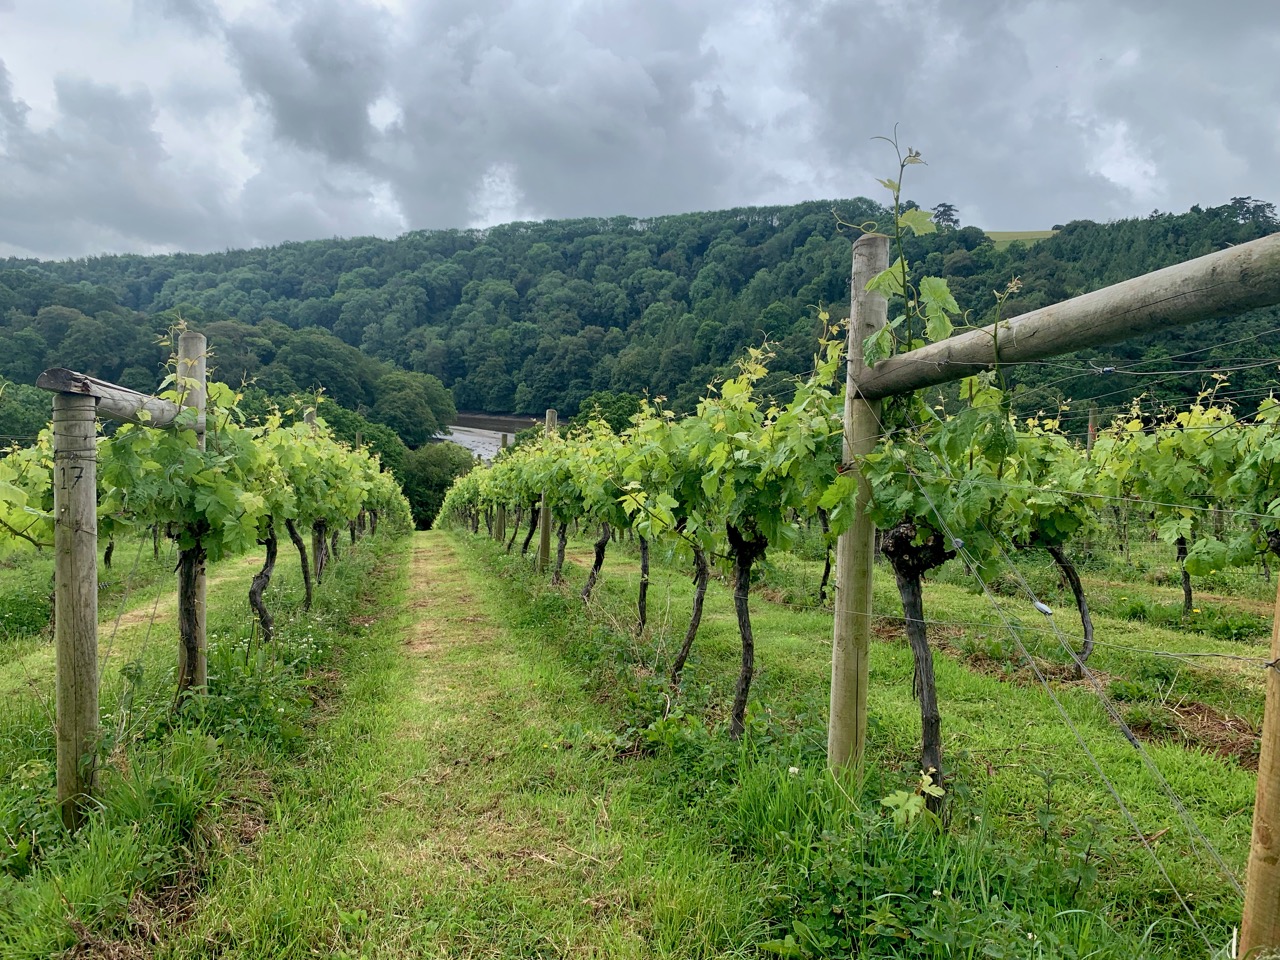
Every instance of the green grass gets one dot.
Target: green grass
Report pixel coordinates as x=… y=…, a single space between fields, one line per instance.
x=1003 y=238
x=176 y=791
x=453 y=758
x=1002 y=735
x=468 y=800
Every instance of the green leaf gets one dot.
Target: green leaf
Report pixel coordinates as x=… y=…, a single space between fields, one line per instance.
x=918 y=221
x=877 y=346
x=890 y=185
x=888 y=282
x=938 y=303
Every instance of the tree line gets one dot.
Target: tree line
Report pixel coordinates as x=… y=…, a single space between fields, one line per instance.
x=525 y=316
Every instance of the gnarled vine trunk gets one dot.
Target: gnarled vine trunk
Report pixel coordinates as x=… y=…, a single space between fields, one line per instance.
x=1077 y=589
x=301 y=546
x=826 y=566
x=910 y=561
x=642 y=602
x=515 y=528
x=333 y=546
x=701 y=574
x=1188 y=603
x=597 y=562
x=535 y=514
x=108 y=553
x=562 y=538
x=191 y=564
x=261 y=580
x=745 y=549
x=319 y=550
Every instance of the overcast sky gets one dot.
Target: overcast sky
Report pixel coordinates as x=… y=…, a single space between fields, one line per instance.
x=161 y=125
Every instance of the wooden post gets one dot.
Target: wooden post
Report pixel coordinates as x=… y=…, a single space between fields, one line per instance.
x=75 y=509
x=1218 y=285
x=191 y=374
x=855 y=548
x=500 y=514
x=1260 y=925
x=1092 y=435
x=544 y=518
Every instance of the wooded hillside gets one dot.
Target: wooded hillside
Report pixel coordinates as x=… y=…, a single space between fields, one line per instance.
x=526 y=316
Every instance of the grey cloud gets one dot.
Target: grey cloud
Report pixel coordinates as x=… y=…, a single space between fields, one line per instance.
x=202 y=17
x=956 y=79
x=98 y=172
x=303 y=118
x=594 y=111
x=319 y=78
x=1019 y=105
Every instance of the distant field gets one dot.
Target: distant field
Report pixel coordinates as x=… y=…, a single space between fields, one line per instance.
x=1003 y=238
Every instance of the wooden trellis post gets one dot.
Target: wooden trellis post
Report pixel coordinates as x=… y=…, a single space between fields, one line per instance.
x=855 y=548
x=1260 y=924
x=193 y=588
x=78 y=402
x=500 y=512
x=544 y=516
x=75 y=540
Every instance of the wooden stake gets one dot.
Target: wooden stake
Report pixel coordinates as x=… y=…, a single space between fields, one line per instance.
x=75 y=503
x=500 y=514
x=1260 y=925
x=855 y=548
x=191 y=373
x=544 y=530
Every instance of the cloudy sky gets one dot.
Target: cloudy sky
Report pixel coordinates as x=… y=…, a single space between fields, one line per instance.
x=159 y=125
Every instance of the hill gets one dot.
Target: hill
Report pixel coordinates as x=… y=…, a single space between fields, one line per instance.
x=1002 y=238
x=525 y=316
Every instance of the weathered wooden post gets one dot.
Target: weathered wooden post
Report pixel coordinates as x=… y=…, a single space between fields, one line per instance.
x=855 y=548
x=500 y=513
x=1260 y=925
x=318 y=544
x=544 y=517
x=77 y=403
x=75 y=537
x=193 y=666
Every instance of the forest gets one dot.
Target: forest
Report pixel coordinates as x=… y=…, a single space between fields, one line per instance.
x=525 y=316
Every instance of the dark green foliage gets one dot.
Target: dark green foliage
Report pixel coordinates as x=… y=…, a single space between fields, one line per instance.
x=522 y=317
x=414 y=405
x=615 y=409
x=24 y=412
x=428 y=473
x=25 y=606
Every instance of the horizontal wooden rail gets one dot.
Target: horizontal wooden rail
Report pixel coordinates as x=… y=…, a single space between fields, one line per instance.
x=1221 y=284
x=113 y=402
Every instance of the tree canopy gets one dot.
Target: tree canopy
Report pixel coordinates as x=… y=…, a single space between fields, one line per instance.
x=525 y=316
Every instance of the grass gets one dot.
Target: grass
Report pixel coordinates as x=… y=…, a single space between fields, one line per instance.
x=453 y=758
x=1003 y=238
x=1003 y=737
x=178 y=792
x=468 y=801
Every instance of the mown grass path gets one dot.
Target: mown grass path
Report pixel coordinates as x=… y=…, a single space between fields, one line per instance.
x=505 y=832
x=462 y=802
